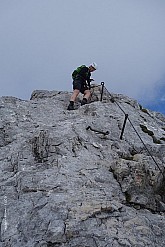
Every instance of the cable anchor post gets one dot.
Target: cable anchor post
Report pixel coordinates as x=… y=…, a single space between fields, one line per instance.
x=122 y=132
x=102 y=91
x=98 y=131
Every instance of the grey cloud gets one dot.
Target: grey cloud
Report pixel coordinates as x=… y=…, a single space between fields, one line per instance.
x=43 y=41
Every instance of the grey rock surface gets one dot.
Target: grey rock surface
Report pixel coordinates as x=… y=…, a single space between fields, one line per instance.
x=63 y=185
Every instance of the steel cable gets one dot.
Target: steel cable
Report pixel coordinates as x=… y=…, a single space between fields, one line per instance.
x=113 y=100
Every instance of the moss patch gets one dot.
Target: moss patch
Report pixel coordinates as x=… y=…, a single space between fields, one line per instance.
x=161 y=189
x=155 y=140
x=127 y=197
x=145 y=130
x=144 y=110
x=150 y=133
x=128 y=158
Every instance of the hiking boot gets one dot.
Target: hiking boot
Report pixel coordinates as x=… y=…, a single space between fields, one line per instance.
x=70 y=106
x=84 y=101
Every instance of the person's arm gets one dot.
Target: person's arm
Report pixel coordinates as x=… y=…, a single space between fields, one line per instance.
x=89 y=80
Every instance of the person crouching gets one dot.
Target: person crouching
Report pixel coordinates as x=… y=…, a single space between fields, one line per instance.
x=81 y=83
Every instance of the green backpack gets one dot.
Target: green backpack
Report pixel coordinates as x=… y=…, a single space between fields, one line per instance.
x=77 y=71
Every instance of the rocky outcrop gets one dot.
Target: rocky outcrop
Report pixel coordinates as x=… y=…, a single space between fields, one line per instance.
x=65 y=185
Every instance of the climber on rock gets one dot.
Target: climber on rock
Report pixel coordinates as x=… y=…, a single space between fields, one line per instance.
x=81 y=83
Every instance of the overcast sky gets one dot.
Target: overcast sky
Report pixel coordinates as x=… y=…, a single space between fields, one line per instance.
x=43 y=41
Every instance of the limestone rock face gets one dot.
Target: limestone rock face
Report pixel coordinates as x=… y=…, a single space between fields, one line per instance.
x=68 y=180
